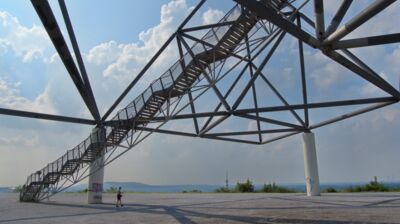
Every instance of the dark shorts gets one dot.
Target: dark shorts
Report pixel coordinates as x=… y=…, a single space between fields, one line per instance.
x=119 y=197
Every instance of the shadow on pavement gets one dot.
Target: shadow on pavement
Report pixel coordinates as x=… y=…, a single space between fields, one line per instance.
x=185 y=213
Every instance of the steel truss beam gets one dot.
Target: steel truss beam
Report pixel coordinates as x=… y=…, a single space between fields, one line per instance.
x=253 y=87
x=258 y=71
x=46 y=15
x=267 y=12
x=78 y=56
x=197 y=28
x=240 y=112
x=196 y=40
x=152 y=60
x=352 y=114
x=338 y=17
x=209 y=136
x=50 y=117
x=320 y=105
x=319 y=19
x=275 y=20
x=303 y=75
x=50 y=24
x=216 y=90
x=367 y=41
x=373 y=9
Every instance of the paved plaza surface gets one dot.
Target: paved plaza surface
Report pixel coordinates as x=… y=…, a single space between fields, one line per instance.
x=206 y=208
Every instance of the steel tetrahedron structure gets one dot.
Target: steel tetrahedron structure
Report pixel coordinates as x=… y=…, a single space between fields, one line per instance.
x=224 y=63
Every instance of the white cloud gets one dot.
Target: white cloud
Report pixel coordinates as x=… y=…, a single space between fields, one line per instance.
x=29 y=43
x=391 y=115
x=371 y=90
x=212 y=16
x=11 y=98
x=252 y=126
x=123 y=61
x=328 y=73
x=22 y=154
x=393 y=60
x=204 y=161
x=20 y=141
x=104 y=53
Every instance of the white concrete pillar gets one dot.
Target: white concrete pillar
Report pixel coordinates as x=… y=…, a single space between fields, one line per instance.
x=310 y=164
x=96 y=179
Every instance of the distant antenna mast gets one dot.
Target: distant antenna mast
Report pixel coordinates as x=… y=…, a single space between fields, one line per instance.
x=226 y=181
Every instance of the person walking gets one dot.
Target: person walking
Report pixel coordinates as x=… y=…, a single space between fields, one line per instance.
x=119 y=196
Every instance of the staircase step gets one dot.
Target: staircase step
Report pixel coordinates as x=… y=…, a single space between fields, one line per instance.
x=154 y=103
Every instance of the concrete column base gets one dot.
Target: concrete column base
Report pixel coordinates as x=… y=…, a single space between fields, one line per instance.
x=310 y=164
x=96 y=179
x=95 y=183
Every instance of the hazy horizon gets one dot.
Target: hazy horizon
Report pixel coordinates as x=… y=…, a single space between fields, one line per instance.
x=116 y=42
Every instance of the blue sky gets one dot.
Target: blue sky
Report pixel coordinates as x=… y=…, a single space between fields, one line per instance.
x=118 y=37
x=96 y=22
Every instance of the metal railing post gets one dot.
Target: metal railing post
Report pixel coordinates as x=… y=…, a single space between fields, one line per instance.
x=162 y=84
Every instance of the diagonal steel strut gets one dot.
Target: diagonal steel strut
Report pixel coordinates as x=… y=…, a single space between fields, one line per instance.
x=46 y=15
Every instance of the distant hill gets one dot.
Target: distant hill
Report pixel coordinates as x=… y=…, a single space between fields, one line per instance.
x=5 y=190
x=140 y=187
x=125 y=184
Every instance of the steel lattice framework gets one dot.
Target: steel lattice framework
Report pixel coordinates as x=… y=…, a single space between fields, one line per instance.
x=223 y=62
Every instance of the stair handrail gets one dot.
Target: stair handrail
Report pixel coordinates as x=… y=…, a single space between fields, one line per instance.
x=165 y=81
x=168 y=76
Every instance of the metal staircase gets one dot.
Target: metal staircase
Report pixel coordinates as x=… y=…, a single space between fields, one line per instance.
x=173 y=83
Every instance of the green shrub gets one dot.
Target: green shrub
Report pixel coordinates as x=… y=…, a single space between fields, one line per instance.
x=273 y=188
x=373 y=186
x=330 y=190
x=245 y=187
x=112 y=190
x=223 y=190
x=349 y=189
x=192 y=191
x=83 y=191
x=17 y=189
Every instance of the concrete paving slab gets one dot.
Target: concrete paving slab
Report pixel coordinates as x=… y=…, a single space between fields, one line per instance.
x=207 y=208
